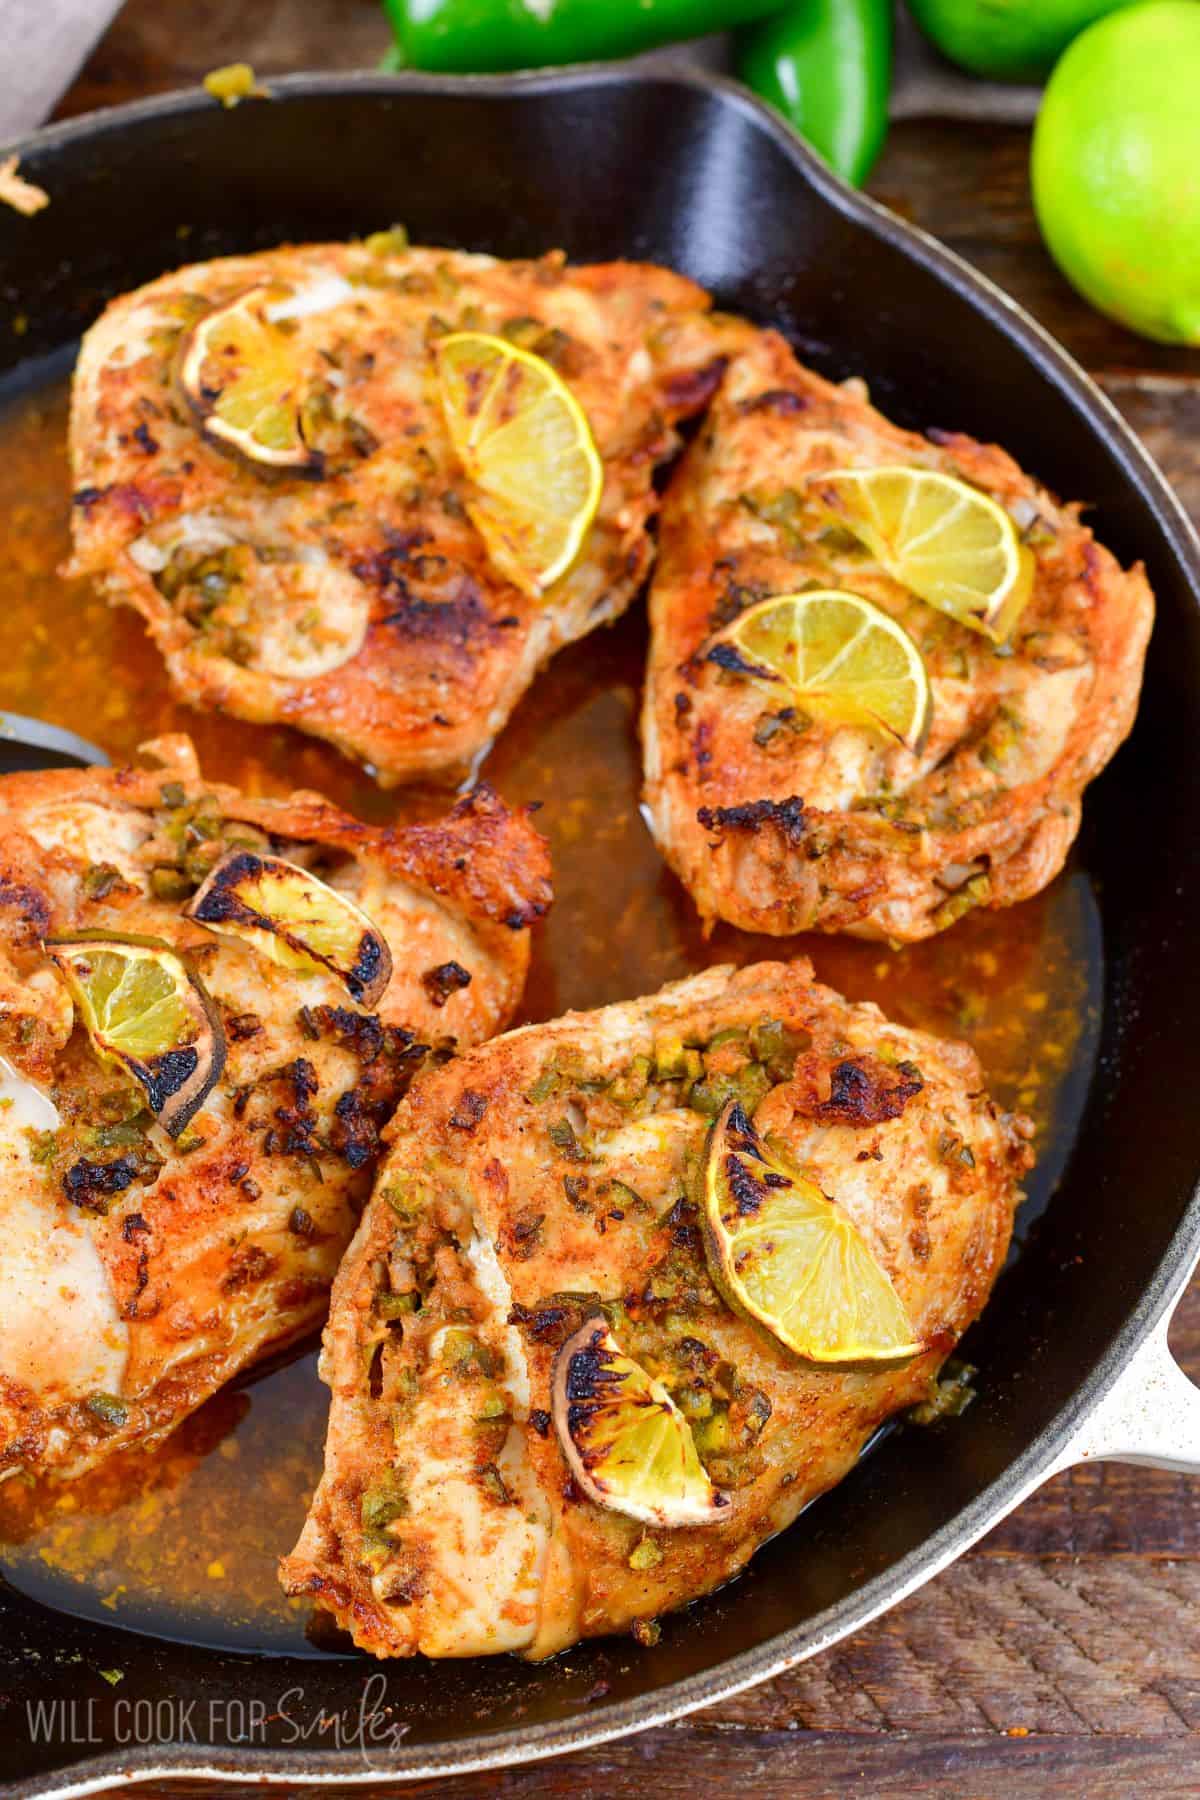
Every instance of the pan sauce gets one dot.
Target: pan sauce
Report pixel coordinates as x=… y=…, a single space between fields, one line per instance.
x=182 y=1542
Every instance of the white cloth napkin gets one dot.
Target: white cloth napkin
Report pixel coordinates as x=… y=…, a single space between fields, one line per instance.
x=43 y=44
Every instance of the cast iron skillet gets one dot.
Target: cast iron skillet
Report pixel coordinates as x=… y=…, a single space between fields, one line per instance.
x=693 y=173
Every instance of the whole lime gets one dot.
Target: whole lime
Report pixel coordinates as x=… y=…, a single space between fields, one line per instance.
x=1116 y=168
x=1008 y=40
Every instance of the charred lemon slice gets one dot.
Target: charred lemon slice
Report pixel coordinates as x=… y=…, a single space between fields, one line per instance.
x=841 y=658
x=526 y=445
x=240 y=371
x=296 y=920
x=788 y=1257
x=144 y=1009
x=951 y=545
x=626 y=1442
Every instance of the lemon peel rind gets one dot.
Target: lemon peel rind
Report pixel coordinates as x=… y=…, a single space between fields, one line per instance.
x=994 y=619
x=732 y=1135
x=178 y=1079
x=727 y=651
x=466 y=444
x=590 y=1369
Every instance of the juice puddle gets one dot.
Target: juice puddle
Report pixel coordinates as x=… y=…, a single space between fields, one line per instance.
x=183 y=1542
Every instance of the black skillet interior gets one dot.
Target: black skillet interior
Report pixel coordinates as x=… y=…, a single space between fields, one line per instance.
x=608 y=164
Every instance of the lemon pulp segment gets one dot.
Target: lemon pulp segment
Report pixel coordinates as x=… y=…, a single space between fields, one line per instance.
x=785 y=1255
x=948 y=543
x=842 y=659
x=526 y=446
x=626 y=1442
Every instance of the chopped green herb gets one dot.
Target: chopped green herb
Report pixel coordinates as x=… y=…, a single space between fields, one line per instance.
x=562 y=1136
x=168 y=883
x=493 y=1484
x=43 y=1145
x=949 y=1395
x=397 y=1306
x=386 y=1499
x=100 y=879
x=108 y=1409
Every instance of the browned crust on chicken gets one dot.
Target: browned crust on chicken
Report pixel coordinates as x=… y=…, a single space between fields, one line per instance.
x=436 y=647
x=780 y=824
x=548 y=1176
x=196 y=1256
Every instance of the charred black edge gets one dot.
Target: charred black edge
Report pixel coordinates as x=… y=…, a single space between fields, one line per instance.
x=787 y=816
x=167 y=1077
x=730 y=658
x=741 y=1144
x=578 y=1373
x=581 y=1383
x=444 y=980
x=175 y=1081
x=218 y=903
x=856 y=1097
x=91 y=1185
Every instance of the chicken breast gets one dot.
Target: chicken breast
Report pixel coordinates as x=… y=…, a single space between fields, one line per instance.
x=778 y=823
x=546 y=1177
x=353 y=598
x=141 y=1271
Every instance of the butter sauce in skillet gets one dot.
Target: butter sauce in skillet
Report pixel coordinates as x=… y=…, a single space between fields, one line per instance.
x=182 y=1542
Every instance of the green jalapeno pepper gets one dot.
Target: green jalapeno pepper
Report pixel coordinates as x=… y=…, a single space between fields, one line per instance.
x=479 y=35
x=826 y=65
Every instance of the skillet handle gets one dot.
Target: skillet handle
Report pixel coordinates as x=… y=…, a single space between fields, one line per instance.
x=1150 y=1415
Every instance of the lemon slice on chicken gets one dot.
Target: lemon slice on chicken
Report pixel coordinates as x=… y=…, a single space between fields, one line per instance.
x=841 y=658
x=295 y=919
x=948 y=543
x=146 y=1011
x=789 y=1258
x=626 y=1442
x=526 y=445
x=240 y=371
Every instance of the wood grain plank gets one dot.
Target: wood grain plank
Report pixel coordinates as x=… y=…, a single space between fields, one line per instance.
x=798 y=1765
x=1164 y=410
x=968 y=184
x=1059 y=1645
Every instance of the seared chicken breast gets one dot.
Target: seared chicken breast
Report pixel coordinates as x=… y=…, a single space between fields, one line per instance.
x=780 y=823
x=141 y=1269
x=552 y=1177
x=351 y=596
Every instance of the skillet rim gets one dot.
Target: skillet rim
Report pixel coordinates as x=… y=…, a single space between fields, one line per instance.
x=1038 y=1461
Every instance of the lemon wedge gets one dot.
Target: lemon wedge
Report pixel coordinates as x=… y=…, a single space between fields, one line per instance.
x=240 y=372
x=787 y=1257
x=842 y=659
x=948 y=543
x=295 y=919
x=145 y=1010
x=527 y=448
x=626 y=1442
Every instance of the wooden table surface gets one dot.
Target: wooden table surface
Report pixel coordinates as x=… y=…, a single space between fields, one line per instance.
x=1063 y=1652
